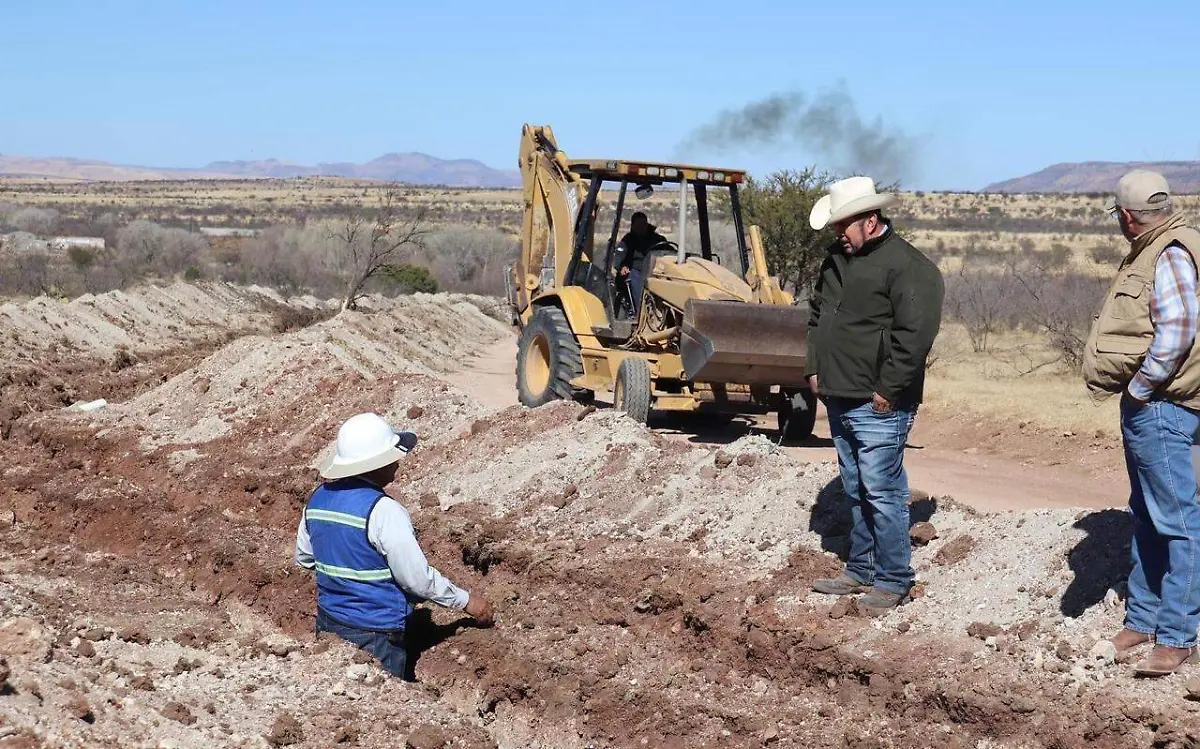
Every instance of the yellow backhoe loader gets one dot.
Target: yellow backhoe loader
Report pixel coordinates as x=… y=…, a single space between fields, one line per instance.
x=712 y=330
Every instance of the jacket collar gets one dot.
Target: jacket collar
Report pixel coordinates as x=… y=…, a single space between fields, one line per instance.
x=1144 y=240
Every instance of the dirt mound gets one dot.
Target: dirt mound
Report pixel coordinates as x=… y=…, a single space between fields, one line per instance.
x=118 y=344
x=649 y=591
x=264 y=374
x=149 y=318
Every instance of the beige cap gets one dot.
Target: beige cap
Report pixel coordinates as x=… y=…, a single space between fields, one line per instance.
x=1136 y=188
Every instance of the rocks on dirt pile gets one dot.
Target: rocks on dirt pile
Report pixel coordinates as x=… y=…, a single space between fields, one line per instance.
x=118 y=344
x=647 y=589
x=146 y=318
x=229 y=692
x=265 y=375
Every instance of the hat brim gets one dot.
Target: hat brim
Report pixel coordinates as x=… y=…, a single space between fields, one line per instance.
x=332 y=468
x=822 y=214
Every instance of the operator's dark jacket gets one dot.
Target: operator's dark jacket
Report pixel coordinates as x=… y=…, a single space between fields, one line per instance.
x=873 y=319
x=637 y=246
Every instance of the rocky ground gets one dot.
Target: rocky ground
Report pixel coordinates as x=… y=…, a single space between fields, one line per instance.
x=651 y=590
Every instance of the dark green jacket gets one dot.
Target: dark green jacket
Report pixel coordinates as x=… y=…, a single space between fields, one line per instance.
x=873 y=319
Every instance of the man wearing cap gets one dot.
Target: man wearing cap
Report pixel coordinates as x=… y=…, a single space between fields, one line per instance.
x=370 y=569
x=1143 y=347
x=641 y=238
x=874 y=313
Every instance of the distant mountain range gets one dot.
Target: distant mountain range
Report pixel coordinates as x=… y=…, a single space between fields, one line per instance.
x=411 y=168
x=1100 y=176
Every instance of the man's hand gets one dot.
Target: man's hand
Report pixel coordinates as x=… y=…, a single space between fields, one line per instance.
x=1133 y=401
x=812 y=384
x=479 y=608
x=880 y=404
x=625 y=271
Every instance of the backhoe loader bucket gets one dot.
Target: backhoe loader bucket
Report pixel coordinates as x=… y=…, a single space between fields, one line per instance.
x=748 y=344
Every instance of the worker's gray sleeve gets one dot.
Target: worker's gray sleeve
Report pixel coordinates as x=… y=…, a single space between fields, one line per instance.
x=390 y=531
x=304 y=554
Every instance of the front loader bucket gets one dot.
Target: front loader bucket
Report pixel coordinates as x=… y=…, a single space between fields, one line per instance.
x=744 y=343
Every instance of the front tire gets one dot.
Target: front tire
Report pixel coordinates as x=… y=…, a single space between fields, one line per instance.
x=632 y=390
x=548 y=358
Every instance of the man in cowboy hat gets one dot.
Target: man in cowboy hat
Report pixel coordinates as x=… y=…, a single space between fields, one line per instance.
x=642 y=237
x=875 y=311
x=370 y=569
x=1143 y=346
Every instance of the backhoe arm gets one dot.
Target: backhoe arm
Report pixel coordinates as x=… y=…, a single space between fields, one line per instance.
x=552 y=195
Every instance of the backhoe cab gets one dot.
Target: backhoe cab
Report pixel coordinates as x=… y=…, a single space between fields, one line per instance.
x=712 y=330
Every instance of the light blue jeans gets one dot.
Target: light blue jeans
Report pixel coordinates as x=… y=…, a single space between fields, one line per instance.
x=637 y=283
x=870 y=448
x=1164 y=586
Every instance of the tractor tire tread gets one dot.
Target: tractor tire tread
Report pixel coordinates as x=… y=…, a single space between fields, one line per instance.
x=566 y=361
x=634 y=376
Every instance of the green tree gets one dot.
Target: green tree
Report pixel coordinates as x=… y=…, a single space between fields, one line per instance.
x=779 y=205
x=81 y=257
x=411 y=279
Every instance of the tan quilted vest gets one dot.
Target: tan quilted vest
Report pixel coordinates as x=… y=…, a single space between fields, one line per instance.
x=1121 y=333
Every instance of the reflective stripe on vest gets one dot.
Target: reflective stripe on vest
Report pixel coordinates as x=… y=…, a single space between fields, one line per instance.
x=349 y=574
x=330 y=516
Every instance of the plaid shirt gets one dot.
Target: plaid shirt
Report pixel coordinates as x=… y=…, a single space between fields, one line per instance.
x=1174 y=310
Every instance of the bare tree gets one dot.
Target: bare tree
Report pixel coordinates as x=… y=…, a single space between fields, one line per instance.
x=145 y=247
x=367 y=244
x=471 y=259
x=983 y=301
x=1061 y=307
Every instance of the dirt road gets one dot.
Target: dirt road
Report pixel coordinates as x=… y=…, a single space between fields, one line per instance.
x=947 y=456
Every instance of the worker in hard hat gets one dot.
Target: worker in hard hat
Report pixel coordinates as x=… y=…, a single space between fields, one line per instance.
x=370 y=569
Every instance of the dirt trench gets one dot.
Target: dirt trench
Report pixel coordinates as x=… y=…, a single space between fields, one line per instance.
x=623 y=620
x=600 y=641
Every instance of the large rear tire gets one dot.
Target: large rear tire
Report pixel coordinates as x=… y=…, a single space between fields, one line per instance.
x=631 y=393
x=798 y=415
x=548 y=359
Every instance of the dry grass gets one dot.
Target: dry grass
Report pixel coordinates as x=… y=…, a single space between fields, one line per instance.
x=985 y=231
x=999 y=386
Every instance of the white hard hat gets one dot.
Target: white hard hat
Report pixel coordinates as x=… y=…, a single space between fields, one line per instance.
x=364 y=443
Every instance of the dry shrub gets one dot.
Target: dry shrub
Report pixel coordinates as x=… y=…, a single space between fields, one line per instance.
x=147 y=248
x=1057 y=305
x=985 y=301
x=40 y=221
x=469 y=259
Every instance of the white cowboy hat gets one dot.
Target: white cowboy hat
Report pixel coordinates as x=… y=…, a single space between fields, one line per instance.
x=846 y=198
x=364 y=443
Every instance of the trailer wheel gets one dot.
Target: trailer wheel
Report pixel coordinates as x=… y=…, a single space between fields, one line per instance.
x=548 y=359
x=631 y=393
x=797 y=415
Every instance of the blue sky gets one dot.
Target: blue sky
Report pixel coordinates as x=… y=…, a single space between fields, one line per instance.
x=985 y=91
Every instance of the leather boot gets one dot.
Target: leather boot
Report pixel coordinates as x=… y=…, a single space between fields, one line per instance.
x=1164 y=660
x=1127 y=641
x=843 y=585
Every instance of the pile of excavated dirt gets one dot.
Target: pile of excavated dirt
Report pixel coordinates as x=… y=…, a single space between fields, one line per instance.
x=650 y=591
x=146 y=319
x=118 y=344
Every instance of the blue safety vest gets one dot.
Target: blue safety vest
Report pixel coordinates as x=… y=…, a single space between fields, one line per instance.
x=354 y=583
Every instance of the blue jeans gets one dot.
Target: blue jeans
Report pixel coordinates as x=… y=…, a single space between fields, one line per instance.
x=388 y=647
x=870 y=448
x=637 y=282
x=1164 y=586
